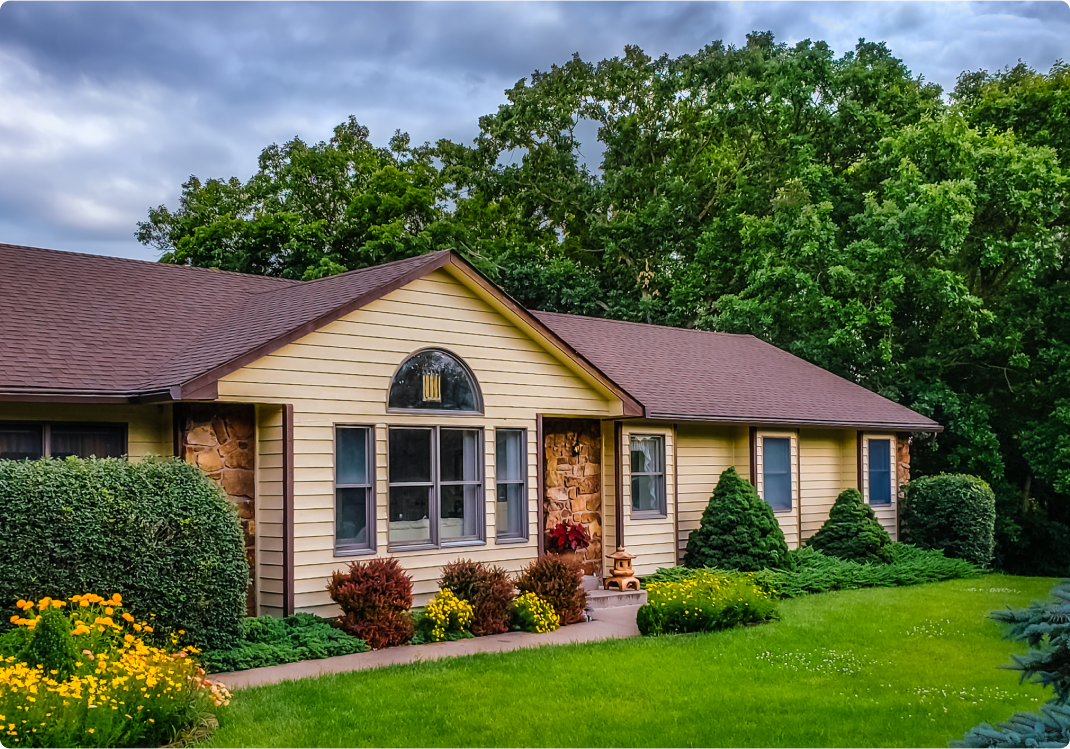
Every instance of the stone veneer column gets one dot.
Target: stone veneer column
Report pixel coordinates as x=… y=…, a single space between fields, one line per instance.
x=902 y=461
x=219 y=438
x=573 y=473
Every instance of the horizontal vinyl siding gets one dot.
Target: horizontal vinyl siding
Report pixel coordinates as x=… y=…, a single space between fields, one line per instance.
x=269 y=512
x=821 y=453
x=341 y=373
x=650 y=539
x=704 y=451
x=149 y=430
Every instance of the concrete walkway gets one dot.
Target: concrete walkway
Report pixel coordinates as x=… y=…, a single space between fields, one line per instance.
x=606 y=624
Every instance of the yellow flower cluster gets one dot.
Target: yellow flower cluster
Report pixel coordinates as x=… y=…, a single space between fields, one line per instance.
x=447 y=613
x=121 y=692
x=706 y=588
x=536 y=613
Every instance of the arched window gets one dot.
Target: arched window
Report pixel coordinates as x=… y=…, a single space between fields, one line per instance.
x=435 y=380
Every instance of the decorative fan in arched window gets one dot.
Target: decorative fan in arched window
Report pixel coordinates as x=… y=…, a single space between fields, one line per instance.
x=435 y=380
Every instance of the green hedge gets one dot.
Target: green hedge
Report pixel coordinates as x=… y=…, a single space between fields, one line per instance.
x=158 y=532
x=852 y=531
x=952 y=512
x=815 y=572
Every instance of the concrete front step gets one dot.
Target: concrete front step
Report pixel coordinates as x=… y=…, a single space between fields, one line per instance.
x=611 y=599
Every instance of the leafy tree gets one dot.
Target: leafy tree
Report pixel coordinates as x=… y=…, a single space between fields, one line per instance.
x=852 y=532
x=738 y=531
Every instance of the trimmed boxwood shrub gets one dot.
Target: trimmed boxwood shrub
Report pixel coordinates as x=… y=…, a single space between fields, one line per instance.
x=158 y=532
x=852 y=532
x=952 y=512
x=738 y=530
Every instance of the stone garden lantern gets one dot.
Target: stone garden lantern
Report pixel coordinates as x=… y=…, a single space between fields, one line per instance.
x=623 y=576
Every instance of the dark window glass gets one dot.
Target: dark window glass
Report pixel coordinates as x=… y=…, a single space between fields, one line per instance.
x=776 y=472
x=354 y=493
x=460 y=475
x=86 y=441
x=410 y=456
x=510 y=478
x=18 y=442
x=648 y=475
x=435 y=381
x=410 y=509
x=880 y=472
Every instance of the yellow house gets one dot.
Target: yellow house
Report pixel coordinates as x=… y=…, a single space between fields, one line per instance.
x=414 y=410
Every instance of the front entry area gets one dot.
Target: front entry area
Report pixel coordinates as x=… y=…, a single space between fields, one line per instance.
x=573 y=482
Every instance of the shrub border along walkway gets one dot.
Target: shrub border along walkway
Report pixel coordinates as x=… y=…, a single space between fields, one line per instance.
x=606 y=624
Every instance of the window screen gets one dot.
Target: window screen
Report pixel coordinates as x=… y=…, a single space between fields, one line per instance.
x=20 y=442
x=354 y=489
x=776 y=472
x=880 y=472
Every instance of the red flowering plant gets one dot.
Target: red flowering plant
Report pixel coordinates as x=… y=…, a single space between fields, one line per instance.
x=567 y=536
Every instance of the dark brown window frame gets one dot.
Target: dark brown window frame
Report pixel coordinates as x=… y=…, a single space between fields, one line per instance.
x=46 y=431
x=524 y=535
x=371 y=500
x=662 y=510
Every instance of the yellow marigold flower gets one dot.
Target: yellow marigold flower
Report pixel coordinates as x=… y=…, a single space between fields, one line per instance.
x=128 y=616
x=14 y=619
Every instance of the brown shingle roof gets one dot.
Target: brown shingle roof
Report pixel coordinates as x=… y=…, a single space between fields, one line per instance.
x=691 y=374
x=88 y=325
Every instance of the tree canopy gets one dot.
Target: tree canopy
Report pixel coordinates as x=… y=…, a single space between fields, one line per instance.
x=837 y=207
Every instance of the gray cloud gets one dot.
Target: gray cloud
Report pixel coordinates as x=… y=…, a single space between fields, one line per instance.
x=108 y=107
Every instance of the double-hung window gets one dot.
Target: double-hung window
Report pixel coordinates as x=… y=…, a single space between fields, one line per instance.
x=648 y=476
x=776 y=472
x=880 y=471
x=27 y=440
x=354 y=490
x=511 y=486
x=436 y=486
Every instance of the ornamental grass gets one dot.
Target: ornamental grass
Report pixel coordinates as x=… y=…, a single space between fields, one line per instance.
x=704 y=602
x=90 y=680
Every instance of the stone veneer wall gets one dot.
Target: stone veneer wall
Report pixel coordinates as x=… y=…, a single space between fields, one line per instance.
x=219 y=438
x=573 y=480
x=902 y=460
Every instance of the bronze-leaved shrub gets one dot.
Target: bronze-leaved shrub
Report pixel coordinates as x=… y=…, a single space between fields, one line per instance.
x=375 y=597
x=487 y=589
x=558 y=580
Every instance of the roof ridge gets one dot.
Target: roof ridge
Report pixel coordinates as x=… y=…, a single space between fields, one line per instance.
x=647 y=324
x=153 y=263
x=417 y=258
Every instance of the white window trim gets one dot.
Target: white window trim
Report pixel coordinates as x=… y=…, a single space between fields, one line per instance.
x=759 y=443
x=892 y=464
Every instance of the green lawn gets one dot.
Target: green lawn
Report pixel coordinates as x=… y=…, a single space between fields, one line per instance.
x=880 y=667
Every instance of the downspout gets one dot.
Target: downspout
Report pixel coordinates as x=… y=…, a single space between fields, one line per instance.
x=798 y=477
x=675 y=501
x=288 y=509
x=618 y=480
x=540 y=457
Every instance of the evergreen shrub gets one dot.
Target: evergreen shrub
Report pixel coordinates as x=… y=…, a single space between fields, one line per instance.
x=269 y=641
x=558 y=580
x=1046 y=628
x=159 y=532
x=852 y=532
x=952 y=512
x=488 y=589
x=738 y=530
x=815 y=572
x=375 y=596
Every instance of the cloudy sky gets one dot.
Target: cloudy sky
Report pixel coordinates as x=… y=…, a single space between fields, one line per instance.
x=106 y=108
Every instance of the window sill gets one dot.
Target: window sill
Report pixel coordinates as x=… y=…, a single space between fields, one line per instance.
x=648 y=515
x=433 y=547
x=352 y=552
x=503 y=541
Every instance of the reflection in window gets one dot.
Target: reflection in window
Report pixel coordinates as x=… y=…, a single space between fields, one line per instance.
x=434 y=380
x=435 y=473
x=19 y=441
x=648 y=476
x=510 y=481
x=354 y=479
x=776 y=472
x=880 y=472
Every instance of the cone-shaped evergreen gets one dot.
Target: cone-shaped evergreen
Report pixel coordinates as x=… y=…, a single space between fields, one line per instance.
x=737 y=531
x=852 y=532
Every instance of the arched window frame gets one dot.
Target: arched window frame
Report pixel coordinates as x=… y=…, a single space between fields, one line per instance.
x=477 y=392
